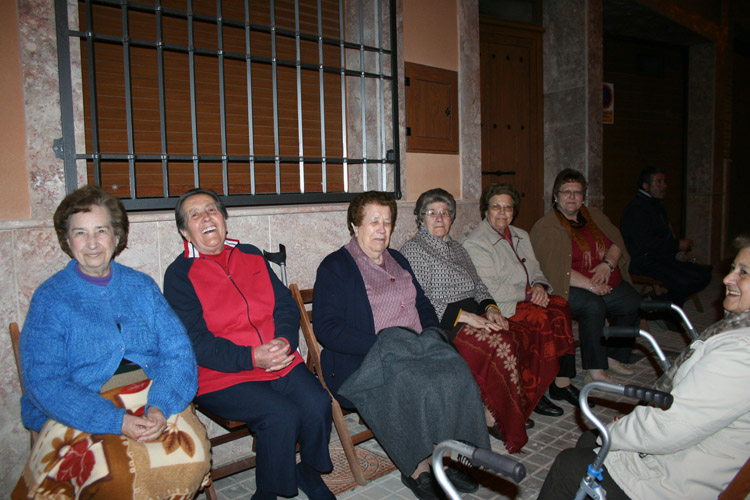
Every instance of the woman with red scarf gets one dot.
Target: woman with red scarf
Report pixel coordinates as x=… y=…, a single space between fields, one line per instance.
x=583 y=255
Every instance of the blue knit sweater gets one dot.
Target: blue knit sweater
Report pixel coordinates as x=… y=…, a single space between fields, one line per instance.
x=75 y=335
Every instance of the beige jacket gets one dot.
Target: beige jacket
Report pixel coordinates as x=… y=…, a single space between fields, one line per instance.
x=554 y=248
x=500 y=268
x=694 y=449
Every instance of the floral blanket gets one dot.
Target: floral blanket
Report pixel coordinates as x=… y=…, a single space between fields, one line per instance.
x=514 y=367
x=66 y=463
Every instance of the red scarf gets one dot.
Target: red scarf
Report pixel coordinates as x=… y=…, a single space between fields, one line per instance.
x=584 y=219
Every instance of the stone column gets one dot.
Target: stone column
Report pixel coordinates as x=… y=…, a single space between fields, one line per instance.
x=700 y=148
x=469 y=100
x=572 y=46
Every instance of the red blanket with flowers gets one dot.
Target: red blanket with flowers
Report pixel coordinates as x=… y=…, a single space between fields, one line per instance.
x=514 y=367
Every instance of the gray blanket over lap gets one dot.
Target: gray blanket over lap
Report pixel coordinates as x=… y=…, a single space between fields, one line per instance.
x=414 y=390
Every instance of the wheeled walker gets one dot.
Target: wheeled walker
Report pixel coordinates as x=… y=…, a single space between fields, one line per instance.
x=590 y=483
x=479 y=457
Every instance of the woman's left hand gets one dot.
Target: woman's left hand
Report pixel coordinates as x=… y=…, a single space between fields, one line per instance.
x=601 y=274
x=496 y=317
x=156 y=417
x=539 y=295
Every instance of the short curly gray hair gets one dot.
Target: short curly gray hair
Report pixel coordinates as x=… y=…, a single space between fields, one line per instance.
x=431 y=196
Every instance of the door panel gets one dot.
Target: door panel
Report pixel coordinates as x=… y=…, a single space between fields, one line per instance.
x=510 y=63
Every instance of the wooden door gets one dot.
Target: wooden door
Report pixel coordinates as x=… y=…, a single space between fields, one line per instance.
x=511 y=93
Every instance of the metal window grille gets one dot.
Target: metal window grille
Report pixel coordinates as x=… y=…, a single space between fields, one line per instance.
x=264 y=101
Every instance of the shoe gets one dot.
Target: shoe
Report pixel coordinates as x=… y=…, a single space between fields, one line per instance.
x=530 y=423
x=317 y=491
x=494 y=431
x=569 y=393
x=461 y=480
x=620 y=368
x=423 y=486
x=548 y=408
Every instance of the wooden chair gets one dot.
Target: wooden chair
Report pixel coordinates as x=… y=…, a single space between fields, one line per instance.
x=235 y=430
x=15 y=335
x=348 y=441
x=646 y=283
x=739 y=487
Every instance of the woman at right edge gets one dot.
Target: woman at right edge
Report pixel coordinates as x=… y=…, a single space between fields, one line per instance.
x=695 y=448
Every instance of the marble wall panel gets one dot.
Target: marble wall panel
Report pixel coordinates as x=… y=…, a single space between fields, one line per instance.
x=308 y=238
x=15 y=438
x=39 y=256
x=405 y=225
x=467 y=218
x=170 y=246
x=250 y=229
x=143 y=249
x=36 y=24
x=8 y=286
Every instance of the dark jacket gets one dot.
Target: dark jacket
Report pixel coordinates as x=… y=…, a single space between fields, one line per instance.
x=227 y=314
x=342 y=316
x=646 y=230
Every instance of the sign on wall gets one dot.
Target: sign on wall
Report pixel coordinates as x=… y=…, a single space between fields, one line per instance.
x=608 y=93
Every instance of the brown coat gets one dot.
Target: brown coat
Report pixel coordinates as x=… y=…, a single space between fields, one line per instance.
x=554 y=249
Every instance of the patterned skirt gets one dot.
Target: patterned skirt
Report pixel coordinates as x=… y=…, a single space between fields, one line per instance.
x=66 y=463
x=514 y=367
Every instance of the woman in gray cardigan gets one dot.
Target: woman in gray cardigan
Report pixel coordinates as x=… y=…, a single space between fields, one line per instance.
x=505 y=261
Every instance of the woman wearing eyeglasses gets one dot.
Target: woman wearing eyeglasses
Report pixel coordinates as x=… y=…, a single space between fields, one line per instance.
x=507 y=357
x=583 y=255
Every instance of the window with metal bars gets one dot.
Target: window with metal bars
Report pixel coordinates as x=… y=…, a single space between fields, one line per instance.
x=264 y=101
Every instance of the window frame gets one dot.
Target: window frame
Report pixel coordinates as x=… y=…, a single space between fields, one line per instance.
x=74 y=159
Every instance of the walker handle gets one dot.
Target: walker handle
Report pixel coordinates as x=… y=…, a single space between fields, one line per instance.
x=621 y=331
x=655 y=306
x=649 y=395
x=502 y=464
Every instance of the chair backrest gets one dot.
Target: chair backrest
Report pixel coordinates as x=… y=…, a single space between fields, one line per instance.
x=303 y=298
x=15 y=334
x=739 y=487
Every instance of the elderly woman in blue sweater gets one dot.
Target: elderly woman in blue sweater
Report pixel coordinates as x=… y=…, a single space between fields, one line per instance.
x=108 y=372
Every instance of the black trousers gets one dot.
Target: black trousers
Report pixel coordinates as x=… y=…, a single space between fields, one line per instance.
x=570 y=466
x=283 y=412
x=682 y=279
x=620 y=306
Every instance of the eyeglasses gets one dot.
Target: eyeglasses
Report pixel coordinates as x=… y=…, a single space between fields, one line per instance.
x=376 y=219
x=501 y=208
x=569 y=193
x=434 y=214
